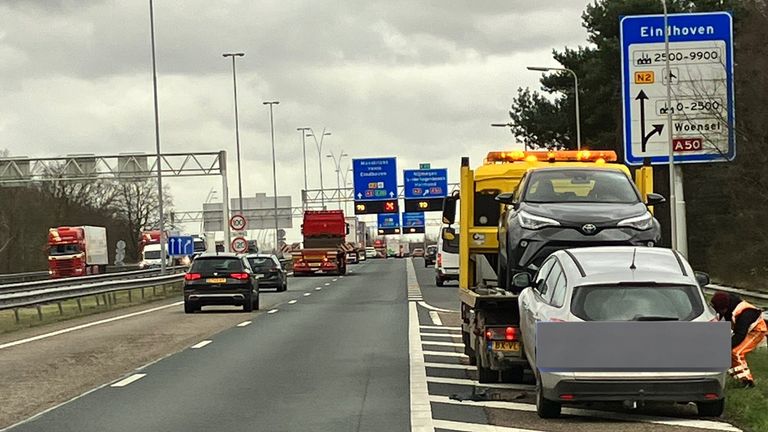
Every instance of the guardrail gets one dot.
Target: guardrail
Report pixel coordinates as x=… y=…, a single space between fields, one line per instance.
x=41 y=275
x=63 y=282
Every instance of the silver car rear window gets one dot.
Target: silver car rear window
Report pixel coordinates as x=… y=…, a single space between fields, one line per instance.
x=636 y=303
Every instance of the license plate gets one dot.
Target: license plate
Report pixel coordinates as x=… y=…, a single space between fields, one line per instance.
x=216 y=280
x=506 y=346
x=314 y=265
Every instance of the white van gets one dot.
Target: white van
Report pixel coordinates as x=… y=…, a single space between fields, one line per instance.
x=150 y=257
x=447 y=262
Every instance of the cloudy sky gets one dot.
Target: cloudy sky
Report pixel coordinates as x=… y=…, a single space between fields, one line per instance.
x=420 y=80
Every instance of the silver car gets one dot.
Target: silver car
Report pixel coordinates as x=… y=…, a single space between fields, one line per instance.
x=606 y=284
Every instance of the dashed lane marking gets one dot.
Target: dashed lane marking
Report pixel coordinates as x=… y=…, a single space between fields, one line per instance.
x=125 y=381
x=445 y=344
x=434 y=327
x=327 y=284
x=442 y=335
x=435 y=318
x=244 y=323
x=476 y=427
x=445 y=354
x=334 y=280
x=450 y=366
x=292 y=301
x=271 y=311
x=307 y=294
x=201 y=344
x=318 y=288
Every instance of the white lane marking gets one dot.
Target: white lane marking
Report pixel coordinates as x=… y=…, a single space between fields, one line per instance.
x=343 y=276
x=414 y=290
x=450 y=366
x=476 y=427
x=83 y=326
x=432 y=327
x=201 y=344
x=668 y=421
x=271 y=311
x=469 y=382
x=445 y=344
x=244 y=323
x=421 y=409
x=318 y=288
x=436 y=309
x=442 y=335
x=334 y=280
x=435 y=318
x=292 y=301
x=307 y=294
x=125 y=381
x=327 y=284
x=445 y=354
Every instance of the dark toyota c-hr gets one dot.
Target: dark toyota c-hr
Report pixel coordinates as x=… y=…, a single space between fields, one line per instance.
x=222 y=279
x=559 y=208
x=271 y=272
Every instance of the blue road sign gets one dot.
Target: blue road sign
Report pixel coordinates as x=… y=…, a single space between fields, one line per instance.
x=700 y=78
x=413 y=220
x=388 y=221
x=426 y=183
x=375 y=179
x=181 y=245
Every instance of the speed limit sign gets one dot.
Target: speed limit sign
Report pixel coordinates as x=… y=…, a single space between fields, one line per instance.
x=237 y=222
x=239 y=244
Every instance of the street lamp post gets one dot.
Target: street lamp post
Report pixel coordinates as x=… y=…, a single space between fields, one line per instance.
x=508 y=125
x=337 y=164
x=237 y=133
x=161 y=218
x=274 y=165
x=672 y=186
x=344 y=177
x=303 y=131
x=319 y=146
x=576 y=93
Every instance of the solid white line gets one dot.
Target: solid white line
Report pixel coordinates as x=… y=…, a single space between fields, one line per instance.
x=307 y=294
x=201 y=344
x=125 y=381
x=469 y=382
x=83 y=326
x=436 y=309
x=475 y=427
x=450 y=366
x=667 y=421
x=318 y=288
x=442 y=335
x=292 y=301
x=444 y=354
x=271 y=311
x=445 y=344
x=421 y=409
x=435 y=318
x=244 y=323
x=432 y=327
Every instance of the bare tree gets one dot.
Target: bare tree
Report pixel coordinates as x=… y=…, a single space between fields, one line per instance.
x=137 y=204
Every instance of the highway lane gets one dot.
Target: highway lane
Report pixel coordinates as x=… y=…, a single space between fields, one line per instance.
x=335 y=360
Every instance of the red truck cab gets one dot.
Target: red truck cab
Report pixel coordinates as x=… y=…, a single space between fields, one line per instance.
x=77 y=251
x=325 y=248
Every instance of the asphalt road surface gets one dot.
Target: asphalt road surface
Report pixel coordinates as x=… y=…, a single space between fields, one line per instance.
x=377 y=350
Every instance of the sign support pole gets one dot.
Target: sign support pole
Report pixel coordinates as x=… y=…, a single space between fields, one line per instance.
x=225 y=203
x=672 y=184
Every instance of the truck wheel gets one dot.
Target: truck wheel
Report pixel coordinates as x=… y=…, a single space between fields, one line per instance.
x=189 y=307
x=248 y=304
x=439 y=282
x=545 y=408
x=711 y=409
x=487 y=375
x=513 y=375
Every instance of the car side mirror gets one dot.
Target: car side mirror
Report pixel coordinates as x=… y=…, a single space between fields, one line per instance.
x=449 y=234
x=702 y=278
x=450 y=240
x=653 y=199
x=449 y=209
x=521 y=280
x=507 y=198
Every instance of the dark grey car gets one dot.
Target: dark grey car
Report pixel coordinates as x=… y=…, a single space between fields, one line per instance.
x=559 y=208
x=270 y=272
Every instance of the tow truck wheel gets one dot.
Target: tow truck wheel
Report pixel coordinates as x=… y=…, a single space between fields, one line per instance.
x=545 y=408
x=711 y=409
x=513 y=375
x=487 y=375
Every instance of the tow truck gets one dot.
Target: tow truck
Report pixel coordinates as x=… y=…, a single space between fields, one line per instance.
x=489 y=313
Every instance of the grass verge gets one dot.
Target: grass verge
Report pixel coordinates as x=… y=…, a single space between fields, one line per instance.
x=748 y=408
x=51 y=313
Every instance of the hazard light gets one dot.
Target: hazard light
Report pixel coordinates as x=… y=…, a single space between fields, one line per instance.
x=599 y=156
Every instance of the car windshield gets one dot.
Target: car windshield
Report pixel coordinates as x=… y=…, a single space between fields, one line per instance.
x=217 y=264
x=637 y=303
x=593 y=186
x=261 y=262
x=152 y=254
x=199 y=245
x=64 y=250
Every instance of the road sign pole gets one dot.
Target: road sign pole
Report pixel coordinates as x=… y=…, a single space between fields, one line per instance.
x=225 y=204
x=672 y=184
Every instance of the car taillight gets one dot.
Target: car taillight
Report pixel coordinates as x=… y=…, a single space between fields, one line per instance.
x=501 y=333
x=192 y=276
x=239 y=276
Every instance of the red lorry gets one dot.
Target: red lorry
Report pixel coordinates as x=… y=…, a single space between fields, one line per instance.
x=77 y=251
x=325 y=245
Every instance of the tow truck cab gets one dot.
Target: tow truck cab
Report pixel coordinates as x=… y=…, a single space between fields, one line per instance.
x=490 y=313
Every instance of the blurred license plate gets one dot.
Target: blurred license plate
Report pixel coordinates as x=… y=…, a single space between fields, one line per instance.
x=217 y=280
x=315 y=265
x=506 y=346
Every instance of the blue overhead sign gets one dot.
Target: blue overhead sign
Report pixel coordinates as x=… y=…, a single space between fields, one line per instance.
x=413 y=220
x=426 y=183
x=375 y=179
x=385 y=221
x=700 y=79
x=181 y=246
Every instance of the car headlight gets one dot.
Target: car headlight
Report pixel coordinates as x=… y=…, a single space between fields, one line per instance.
x=642 y=222
x=529 y=221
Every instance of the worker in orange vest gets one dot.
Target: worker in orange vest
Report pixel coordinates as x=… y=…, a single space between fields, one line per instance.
x=749 y=329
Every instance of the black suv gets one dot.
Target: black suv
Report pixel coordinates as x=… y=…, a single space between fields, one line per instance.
x=559 y=208
x=222 y=279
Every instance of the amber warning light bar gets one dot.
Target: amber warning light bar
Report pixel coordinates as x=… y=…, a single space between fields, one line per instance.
x=598 y=156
